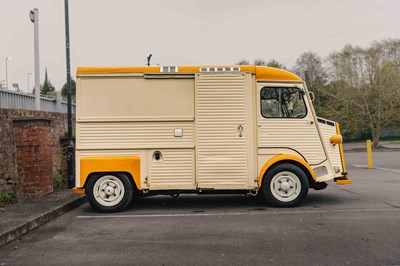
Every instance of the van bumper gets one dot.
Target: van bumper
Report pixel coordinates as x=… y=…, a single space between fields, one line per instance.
x=343 y=180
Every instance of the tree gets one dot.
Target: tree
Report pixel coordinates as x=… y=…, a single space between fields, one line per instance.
x=261 y=62
x=310 y=68
x=2 y=87
x=364 y=87
x=243 y=62
x=73 y=89
x=47 y=86
x=276 y=64
x=390 y=49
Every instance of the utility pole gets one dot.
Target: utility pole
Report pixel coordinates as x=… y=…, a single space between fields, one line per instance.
x=34 y=16
x=70 y=148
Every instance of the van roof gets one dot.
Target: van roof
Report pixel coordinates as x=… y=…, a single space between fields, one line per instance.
x=261 y=72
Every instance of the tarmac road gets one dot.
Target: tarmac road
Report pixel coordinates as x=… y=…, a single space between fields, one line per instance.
x=357 y=224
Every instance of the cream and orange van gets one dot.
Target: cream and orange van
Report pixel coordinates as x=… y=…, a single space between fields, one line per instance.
x=169 y=130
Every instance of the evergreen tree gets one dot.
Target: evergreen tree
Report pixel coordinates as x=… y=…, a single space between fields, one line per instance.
x=47 y=86
x=73 y=89
x=276 y=64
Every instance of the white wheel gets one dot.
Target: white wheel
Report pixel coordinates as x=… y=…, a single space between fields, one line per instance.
x=108 y=190
x=285 y=186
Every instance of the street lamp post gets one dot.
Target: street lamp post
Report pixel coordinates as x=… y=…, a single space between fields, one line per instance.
x=34 y=16
x=8 y=58
x=70 y=148
x=28 y=74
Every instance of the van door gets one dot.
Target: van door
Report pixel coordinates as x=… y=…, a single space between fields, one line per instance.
x=286 y=121
x=223 y=131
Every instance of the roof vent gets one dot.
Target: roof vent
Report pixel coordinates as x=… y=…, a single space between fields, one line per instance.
x=220 y=69
x=169 y=69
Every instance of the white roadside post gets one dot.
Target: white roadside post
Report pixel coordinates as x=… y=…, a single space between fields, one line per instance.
x=8 y=58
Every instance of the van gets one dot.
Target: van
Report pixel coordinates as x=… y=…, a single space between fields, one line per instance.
x=152 y=130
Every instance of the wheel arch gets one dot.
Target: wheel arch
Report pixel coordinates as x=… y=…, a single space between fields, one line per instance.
x=287 y=158
x=129 y=165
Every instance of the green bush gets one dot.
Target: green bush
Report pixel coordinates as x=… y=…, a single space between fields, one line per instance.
x=58 y=181
x=73 y=134
x=7 y=197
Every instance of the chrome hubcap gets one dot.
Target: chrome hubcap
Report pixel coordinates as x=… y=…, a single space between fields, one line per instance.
x=109 y=190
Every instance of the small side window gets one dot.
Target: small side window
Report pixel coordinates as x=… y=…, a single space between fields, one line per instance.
x=282 y=103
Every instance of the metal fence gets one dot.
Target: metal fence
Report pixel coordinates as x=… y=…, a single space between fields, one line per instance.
x=19 y=100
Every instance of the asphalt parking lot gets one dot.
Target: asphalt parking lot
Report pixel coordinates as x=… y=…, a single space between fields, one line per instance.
x=357 y=224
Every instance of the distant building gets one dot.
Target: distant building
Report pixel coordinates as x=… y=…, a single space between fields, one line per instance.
x=16 y=86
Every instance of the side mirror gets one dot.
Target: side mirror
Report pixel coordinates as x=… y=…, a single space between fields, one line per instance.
x=312 y=96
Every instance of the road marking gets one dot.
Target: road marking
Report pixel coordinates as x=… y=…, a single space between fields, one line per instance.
x=374 y=167
x=227 y=214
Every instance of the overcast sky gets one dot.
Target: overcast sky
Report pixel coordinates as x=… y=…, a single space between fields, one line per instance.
x=186 y=32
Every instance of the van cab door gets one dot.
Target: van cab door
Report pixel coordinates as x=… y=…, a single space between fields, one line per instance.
x=286 y=121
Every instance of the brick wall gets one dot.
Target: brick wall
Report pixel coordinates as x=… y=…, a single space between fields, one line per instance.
x=34 y=147
x=8 y=150
x=8 y=170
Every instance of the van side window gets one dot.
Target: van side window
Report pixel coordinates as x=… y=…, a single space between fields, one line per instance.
x=282 y=102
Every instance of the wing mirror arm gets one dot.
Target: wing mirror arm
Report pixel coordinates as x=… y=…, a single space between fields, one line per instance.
x=312 y=95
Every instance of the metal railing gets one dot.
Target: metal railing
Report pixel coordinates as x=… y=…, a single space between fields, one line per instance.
x=19 y=100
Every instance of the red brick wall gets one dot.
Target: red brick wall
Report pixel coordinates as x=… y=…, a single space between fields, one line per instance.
x=8 y=163
x=34 y=153
x=8 y=171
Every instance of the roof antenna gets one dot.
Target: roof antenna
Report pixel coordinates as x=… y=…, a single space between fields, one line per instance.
x=148 y=59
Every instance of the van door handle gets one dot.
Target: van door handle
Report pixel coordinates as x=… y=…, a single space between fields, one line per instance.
x=240 y=127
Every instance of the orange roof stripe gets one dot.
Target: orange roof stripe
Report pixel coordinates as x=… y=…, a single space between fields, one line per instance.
x=261 y=72
x=98 y=70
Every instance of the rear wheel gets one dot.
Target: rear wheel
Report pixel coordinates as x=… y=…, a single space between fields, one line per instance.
x=285 y=185
x=109 y=192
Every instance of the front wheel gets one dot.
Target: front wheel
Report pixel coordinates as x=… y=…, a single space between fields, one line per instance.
x=109 y=192
x=285 y=185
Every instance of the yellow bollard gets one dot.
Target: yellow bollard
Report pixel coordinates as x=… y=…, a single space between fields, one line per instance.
x=369 y=154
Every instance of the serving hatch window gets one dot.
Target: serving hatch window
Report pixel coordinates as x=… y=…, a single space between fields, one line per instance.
x=282 y=103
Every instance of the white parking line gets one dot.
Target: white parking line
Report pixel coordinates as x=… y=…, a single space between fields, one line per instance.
x=228 y=214
x=374 y=167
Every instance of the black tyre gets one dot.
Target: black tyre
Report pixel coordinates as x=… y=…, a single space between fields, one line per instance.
x=109 y=192
x=285 y=185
